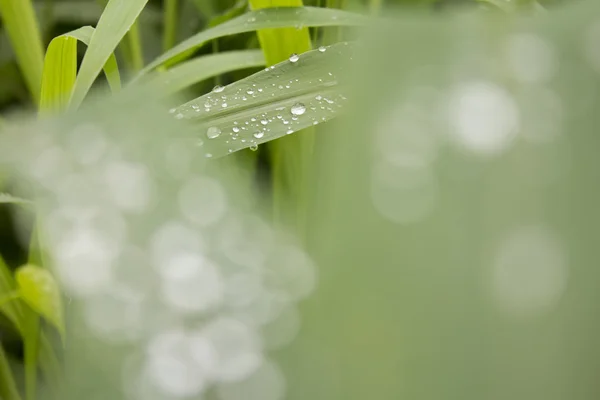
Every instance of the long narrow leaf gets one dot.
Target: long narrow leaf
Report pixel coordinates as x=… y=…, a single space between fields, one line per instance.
x=60 y=69
x=201 y=68
x=272 y=103
x=262 y=19
x=22 y=27
x=290 y=158
x=116 y=20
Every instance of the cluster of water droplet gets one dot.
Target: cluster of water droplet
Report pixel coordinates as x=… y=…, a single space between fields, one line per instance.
x=249 y=129
x=204 y=290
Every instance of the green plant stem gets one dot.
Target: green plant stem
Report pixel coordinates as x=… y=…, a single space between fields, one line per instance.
x=8 y=388
x=333 y=35
x=31 y=350
x=135 y=48
x=170 y=23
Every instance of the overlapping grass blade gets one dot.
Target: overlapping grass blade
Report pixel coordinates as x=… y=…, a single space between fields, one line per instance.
x=270 y=104
x=261 y=19
x=201 y=68
x=290 y=157
x=116 y=20
x=20 y=22
x=60 y=68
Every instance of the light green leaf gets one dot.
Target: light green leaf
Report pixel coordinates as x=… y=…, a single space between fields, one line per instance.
x=262 y=19
x=40 y=291
x=116 y=20
x=272 y=103
x=201 y=68
x=6 y=198
x=60 y=68
x=20 y=22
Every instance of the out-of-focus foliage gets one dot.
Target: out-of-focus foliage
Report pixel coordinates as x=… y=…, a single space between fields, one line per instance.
x=447 y=239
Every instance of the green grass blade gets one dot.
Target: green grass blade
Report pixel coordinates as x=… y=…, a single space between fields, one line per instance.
x=31 y=345
x=261 y=108
x=170 y=23
x=8 y=388
x=190 y=72
x=116 y=20
x=290 y=157
x=262 y=19
x=20 y=22
x=279 y=44
x=134 y=47
x=60 y=68
x=111 y=69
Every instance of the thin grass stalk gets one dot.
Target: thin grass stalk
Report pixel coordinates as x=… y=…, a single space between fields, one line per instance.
x=134 y=47
x=170 y=23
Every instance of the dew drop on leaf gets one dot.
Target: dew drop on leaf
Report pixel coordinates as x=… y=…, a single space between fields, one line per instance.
x=294 y=58
x=254 y=147
x=259 y=134
x=298 y=109
x=213 y=132
x=322 y=49
x=218 y=89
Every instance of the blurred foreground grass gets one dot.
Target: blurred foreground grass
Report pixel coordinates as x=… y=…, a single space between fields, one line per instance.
x=439 y=241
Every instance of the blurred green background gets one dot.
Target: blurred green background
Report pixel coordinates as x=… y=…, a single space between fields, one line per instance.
x=452 y=215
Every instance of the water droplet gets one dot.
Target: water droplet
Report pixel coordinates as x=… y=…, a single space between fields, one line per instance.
x=179 y=116
x=224 y=105
x=235 y=129
x=259 y=134
x=294 y=58
x=213 y=132
x=298 y=109
x=172 y=110
x=254 y=147
x=322 y=49
x=250 y=91
x=289 y=131
x=218 y=89
x=264 y=121
x=319 y=97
